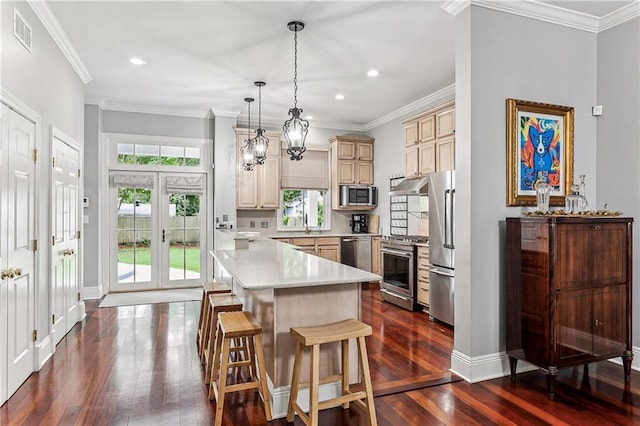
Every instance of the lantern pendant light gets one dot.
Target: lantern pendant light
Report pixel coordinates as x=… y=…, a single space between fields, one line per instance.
x=247 y=151
x=260 y=142
x=295 y=128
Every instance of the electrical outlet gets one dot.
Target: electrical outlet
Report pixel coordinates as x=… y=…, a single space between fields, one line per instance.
x=264 y=224
x=252 y=224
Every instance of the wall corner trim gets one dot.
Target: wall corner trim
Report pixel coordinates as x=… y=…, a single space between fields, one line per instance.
x=48 y=19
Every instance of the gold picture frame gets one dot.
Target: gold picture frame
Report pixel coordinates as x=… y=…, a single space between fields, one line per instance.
x=539 y=148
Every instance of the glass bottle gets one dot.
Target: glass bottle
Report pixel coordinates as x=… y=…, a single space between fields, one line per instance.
x=572 y=201
x=543 y=193
x=584 y=205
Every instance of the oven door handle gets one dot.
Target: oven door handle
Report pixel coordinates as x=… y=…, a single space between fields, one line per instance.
x=384 y=290
x=396 y=252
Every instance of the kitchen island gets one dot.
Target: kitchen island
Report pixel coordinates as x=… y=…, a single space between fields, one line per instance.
x=284 y=287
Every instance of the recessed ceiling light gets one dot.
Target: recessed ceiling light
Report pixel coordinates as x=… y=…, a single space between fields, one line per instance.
x=137 y=61
x=309 y=117
x=373 y=73
x=339 y=96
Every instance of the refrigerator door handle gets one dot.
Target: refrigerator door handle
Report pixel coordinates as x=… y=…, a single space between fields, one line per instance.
x=441 y=272
x=448 y=218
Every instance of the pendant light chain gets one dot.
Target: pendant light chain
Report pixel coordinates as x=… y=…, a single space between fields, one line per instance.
x=295 y=68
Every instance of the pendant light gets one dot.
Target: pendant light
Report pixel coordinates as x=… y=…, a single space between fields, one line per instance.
x=247 y=150
x=295 y=128
x=260 y=142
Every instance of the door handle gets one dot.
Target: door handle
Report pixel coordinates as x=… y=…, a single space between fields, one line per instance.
x=163 y=235
x=10 y=273
x=18 y=272
x=4 y=274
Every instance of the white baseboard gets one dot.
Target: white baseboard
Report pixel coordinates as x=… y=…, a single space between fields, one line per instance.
x=92 y=292
x=42 y=352
x=486 y=367
x=635 y=364
x=280 y=397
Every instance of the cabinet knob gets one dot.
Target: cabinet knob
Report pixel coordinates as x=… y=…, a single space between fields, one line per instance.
x=598 y=322
x=595 y=227
x=18 y=272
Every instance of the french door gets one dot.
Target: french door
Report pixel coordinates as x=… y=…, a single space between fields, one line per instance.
x=158 y=230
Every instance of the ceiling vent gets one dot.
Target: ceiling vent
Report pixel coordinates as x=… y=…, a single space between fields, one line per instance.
x=21 y=30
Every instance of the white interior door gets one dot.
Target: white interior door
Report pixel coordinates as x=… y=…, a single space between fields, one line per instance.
x=17 y=231
x=183 y=229
x=65 y=217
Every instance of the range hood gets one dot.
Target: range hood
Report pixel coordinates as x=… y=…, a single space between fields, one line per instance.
x=412 y=186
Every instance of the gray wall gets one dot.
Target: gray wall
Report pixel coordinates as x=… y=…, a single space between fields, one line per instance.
x=501 y=56
x=92 y=129
x=156 y=125
x=618 y=148
x=46 y=83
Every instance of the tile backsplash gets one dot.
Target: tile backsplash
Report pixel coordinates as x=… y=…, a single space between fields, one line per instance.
x=265 y=221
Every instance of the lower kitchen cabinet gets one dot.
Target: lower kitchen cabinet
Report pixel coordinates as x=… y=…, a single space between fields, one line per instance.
x=326 y=247
x=375 y=255
x=422 y=272
x=568 y=292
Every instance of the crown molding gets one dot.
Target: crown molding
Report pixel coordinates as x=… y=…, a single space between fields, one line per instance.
x=277 y=122
x=51 y=24
x=544 y=12
x=550 y=13
x=147 y=109
x=443 y=94
x=617 y=17
x=231 y=114
x=453 y=7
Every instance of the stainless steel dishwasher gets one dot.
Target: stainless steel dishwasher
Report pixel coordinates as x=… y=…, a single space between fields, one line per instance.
x=356 y=252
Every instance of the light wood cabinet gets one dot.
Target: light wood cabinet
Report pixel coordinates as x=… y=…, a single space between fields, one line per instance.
x=351 y=164
x=375 y=255
x=260 y=187
x=422 y=272
x=430 y=141
x=568 y=300
x=326 y=247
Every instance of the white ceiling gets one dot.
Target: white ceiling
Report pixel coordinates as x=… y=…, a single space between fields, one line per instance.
x=205 y=55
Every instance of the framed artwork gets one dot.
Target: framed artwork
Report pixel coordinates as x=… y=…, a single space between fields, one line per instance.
x=539 y=149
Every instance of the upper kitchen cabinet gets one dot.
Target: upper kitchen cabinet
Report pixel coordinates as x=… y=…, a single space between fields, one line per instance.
x=260 y=187
x=429 y=140
x=351 y=164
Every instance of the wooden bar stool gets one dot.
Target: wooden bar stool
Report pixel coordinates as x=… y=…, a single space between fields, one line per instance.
x=217 y=303
x=234 y=325
x=213 y=287
x=314 y=336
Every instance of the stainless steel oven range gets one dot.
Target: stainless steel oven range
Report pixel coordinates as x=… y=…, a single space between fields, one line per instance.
x=398 y=264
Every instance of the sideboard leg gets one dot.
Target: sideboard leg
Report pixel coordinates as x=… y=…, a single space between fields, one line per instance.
x=513 y=363
x=551 y=382
x=627 y=358
x=585 y=376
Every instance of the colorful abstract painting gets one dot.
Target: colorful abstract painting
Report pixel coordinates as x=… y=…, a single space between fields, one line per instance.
x=539 y=149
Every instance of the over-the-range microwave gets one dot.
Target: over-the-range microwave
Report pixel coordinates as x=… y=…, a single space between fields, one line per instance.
x=353 y=195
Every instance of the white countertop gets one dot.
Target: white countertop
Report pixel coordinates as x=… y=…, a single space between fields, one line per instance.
x=273 y=264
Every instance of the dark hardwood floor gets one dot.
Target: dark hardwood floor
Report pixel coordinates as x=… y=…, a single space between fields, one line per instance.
x=138 y=365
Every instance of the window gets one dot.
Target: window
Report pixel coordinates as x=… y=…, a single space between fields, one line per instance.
x=166 y=155
x=302 y=207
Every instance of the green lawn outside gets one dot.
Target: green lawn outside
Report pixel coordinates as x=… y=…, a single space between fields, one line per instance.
x=177 y=257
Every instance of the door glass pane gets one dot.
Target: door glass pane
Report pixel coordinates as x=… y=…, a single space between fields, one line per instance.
x=184 y=236
x=134 y=235
x=192 y=156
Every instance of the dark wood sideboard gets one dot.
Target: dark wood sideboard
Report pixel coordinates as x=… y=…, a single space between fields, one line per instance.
x=568 y=292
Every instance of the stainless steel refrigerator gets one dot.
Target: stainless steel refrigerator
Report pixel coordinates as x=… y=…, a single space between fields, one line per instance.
x=442 y=201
